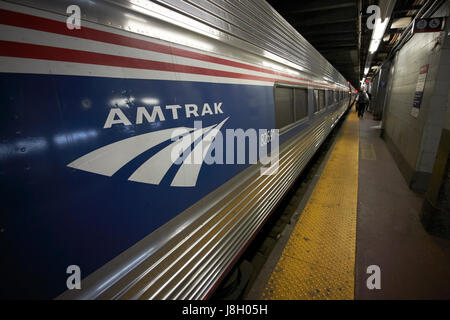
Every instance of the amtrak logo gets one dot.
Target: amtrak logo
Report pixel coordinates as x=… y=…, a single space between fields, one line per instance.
x=110 y=158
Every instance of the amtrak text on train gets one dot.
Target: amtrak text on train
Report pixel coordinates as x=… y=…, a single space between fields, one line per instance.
x=158 y=113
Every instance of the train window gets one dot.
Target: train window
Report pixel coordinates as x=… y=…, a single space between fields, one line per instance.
x=330 y=97
x=319 y=100
x=301 y=103
x=316 y=100
x=284 y=111
x=322 y=99
x=336 y=96
x=291 y=105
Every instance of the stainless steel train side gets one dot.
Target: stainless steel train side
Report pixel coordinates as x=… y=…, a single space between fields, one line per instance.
x=213 y=48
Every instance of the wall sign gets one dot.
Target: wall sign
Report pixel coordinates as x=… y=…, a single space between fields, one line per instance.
x=428 y=25
x=419 y=90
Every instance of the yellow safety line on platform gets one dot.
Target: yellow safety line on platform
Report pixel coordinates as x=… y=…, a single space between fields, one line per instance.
x=318 y=261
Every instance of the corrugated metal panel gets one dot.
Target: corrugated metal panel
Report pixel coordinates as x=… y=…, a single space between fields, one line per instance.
x=190 y=264
x=249 y=30
x=187 y=263
x=256 y=22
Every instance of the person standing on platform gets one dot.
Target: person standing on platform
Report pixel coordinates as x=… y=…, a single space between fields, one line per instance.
x=361 y=104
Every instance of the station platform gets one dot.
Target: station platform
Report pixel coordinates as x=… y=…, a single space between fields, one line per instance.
x=360 y=213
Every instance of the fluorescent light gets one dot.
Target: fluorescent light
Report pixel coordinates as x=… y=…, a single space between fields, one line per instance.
x=374 y=44
x=377 y=35
x=380 y=27
x=401 y=23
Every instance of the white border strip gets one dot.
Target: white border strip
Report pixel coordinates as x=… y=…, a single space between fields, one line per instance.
x=38 y=66
x=29 y=36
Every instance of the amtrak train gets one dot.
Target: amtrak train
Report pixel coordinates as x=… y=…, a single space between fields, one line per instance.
x=103 y=104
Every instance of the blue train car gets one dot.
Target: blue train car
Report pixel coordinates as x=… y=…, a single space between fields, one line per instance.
x=92 y=116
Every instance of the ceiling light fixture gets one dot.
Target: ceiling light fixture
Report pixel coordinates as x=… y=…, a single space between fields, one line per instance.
x=377 y=34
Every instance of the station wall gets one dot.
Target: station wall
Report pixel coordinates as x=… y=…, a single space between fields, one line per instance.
x=414 y=141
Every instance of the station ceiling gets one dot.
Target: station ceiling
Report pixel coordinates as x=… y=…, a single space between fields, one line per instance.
x=337 y=29
x=331 y=27
x=403 y=13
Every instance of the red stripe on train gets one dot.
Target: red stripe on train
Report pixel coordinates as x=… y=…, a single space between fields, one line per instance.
x=42 y=24
x=32 y=51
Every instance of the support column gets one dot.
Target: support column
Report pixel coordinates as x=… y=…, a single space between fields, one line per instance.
x=435 y=214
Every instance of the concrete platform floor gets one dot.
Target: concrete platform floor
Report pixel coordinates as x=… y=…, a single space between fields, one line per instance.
x=318 y=261
x=389 y=234
x=414 y=264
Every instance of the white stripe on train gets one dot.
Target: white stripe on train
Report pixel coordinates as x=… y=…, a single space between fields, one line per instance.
x=131 y=35
x=23 y=35
x=38 y=66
